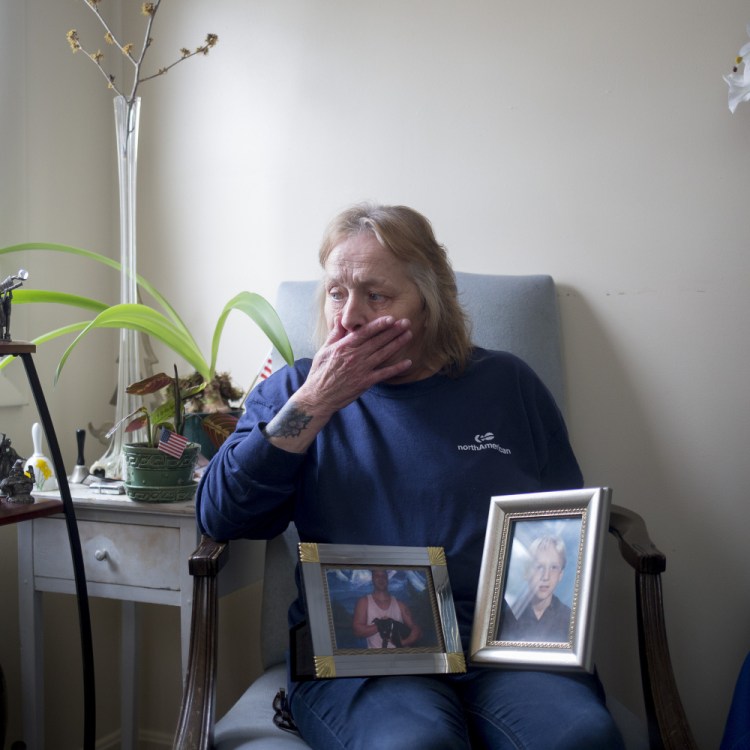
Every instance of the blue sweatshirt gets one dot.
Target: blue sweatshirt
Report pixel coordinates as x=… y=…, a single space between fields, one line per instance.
x=413 y=464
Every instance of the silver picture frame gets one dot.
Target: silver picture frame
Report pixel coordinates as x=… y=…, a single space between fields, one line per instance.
x=534 y=543
x=335 y=578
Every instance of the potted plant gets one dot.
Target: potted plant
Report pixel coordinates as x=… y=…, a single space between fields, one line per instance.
x=160 y=321
x=162 y=468
x=212 y=415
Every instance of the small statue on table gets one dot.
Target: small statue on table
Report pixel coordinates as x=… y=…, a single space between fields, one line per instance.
x=17 y=486
x=6 y=298
x=8 y=456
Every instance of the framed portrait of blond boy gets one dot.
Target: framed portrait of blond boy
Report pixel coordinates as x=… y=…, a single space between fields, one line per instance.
x=539 y=578
x=375 y=610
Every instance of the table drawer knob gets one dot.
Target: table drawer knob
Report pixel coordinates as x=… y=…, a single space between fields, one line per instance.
x=100 y=554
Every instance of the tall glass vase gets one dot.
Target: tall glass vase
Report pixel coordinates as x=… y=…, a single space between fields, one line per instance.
x=130 y=364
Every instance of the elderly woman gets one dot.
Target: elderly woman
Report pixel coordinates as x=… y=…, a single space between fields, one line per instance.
x=372 y=442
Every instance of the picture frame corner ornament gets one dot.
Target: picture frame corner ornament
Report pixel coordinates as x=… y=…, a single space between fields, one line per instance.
x=456 y=662
x=325 y=667
x=436 y=556
x=308 y=552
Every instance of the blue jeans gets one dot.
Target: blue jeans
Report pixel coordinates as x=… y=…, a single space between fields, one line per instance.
x=484 y=708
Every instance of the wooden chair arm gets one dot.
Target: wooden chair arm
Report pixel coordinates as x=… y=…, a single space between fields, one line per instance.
x=668 y=727
x=635 y=545
x=196 y=723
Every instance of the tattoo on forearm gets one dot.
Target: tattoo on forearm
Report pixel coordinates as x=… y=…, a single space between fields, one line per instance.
x=289 y=422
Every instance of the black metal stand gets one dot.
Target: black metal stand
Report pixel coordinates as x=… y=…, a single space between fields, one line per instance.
x=25 y=350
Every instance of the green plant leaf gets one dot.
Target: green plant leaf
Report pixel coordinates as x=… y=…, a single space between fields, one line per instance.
x=58 y=248
x=169 y=328
x=219 y=427
x=164 y=413
x=142 y=410
x=72 y=328
x=26 y=296
x=145 y=319
x=137 y=424
x=259 y=310
x=193 y=390
x=99 y=258
x=151 y=384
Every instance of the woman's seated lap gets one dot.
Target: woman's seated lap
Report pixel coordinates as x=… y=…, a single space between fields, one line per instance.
x=485 y=708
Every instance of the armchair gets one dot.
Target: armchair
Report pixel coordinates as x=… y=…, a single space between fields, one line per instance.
x=514 y=313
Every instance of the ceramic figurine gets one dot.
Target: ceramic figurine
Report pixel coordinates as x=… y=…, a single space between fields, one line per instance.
x=8 y=456
x=39 y=465
x=17 y=486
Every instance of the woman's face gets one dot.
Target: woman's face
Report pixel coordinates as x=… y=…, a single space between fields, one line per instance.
x=365 y=281
x=546 y=572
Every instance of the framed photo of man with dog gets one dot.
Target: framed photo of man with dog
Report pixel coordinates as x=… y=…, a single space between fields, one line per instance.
x=539 y=578
x=375 y=610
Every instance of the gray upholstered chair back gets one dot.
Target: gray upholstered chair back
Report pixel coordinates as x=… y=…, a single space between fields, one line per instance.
x=518 y=314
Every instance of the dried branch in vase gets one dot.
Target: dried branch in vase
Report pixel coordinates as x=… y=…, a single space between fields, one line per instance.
x=134 y=57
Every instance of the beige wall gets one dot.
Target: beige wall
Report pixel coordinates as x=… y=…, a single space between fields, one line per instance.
x=49 y=158
x=587 y=140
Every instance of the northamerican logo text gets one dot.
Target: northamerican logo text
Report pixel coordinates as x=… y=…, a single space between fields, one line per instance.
x=484 y=442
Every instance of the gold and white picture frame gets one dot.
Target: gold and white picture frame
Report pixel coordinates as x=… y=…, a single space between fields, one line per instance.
x=337 y=579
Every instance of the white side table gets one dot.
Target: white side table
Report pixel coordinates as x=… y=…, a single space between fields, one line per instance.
x=134 y=552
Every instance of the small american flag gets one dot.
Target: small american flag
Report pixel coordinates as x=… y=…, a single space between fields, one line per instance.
x=267 y=368
x=172 y=443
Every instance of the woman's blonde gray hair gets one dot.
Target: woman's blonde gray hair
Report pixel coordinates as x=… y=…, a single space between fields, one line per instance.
x=410 y=237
